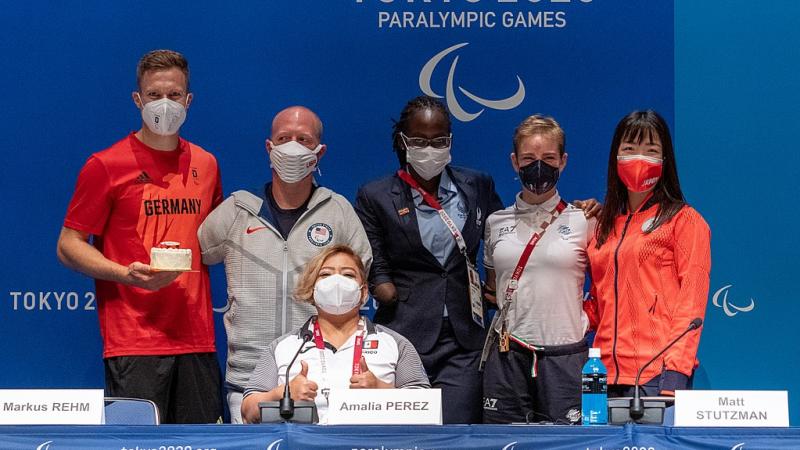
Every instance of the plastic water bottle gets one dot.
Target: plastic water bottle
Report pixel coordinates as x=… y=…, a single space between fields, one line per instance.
x=594 y=400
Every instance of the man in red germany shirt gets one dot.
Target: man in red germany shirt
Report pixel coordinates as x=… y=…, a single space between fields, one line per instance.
x=150 y=187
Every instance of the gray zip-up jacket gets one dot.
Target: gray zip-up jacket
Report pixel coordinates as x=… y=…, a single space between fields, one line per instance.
x=261 y=267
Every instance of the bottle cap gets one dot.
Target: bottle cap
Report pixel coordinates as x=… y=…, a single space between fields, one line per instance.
x=594 y=352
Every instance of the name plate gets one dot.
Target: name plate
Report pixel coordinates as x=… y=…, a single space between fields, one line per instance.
x=385 y=407
x=51 y=406
x=731 y=409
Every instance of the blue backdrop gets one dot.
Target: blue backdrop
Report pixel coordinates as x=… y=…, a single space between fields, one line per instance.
x=69 y=69
x=736 y=123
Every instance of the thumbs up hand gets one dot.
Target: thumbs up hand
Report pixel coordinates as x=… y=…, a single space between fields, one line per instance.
x=302 y=388
x=366 y=379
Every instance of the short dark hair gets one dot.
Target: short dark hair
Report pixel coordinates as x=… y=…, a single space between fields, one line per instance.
x=161 y=60
x=639 y=126
x=414 y=105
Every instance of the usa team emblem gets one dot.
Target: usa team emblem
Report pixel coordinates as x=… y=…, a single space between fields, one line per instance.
x=320 y=234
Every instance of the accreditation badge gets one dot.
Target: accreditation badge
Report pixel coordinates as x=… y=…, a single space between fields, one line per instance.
x=475 y=295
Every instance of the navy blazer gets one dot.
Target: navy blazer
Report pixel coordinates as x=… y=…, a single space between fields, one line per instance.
x=386 y=209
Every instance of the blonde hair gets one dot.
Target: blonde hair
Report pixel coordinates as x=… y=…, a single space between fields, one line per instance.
x=304 y=290
x=537 y=125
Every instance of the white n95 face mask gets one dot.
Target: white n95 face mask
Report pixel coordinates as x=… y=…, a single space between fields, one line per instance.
x=293 y=161
x=428 y=161
x=337 y=294
x=163 y=117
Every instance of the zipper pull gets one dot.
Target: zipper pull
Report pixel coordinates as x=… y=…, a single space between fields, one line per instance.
x=653 y=308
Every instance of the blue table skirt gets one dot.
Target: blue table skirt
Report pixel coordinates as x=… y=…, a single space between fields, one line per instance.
x=308 y=437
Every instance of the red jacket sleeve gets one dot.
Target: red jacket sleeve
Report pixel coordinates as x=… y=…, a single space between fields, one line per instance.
x=693 y=266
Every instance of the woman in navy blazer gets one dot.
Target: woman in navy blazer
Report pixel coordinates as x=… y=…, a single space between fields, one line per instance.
x=418 y=274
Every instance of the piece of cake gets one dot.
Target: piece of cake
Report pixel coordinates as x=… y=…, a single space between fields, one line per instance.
x=168 y=256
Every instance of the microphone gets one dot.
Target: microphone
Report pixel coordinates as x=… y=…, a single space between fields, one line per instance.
x=637 y=408
x=286 y=406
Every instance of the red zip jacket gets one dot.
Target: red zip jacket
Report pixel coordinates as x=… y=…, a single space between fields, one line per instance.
x=647 y=289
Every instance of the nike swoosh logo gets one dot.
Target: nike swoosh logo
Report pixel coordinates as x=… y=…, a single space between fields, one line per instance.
x=251 y=230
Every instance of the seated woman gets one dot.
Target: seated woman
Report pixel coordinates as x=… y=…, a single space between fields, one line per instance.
x=335 y=283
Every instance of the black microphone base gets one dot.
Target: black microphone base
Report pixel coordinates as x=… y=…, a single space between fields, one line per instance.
x=619 y=410
x=304 y=412
x=286 y=406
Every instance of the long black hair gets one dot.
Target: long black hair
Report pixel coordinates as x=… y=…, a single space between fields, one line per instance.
x=413 y=106
x=637 y=127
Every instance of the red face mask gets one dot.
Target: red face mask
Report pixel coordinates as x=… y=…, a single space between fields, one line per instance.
x=639 y=173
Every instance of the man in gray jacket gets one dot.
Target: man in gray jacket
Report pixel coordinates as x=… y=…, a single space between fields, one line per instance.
x=265 y=238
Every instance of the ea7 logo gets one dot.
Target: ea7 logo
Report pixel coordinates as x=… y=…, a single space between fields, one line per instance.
x=490 y=403
x=450 y=94
x=729 y=308
x=506 y=230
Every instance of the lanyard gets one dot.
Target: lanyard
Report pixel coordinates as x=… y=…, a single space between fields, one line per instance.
x=358 y=346
x=513 y=283
x=475 y=297
x=433 y=203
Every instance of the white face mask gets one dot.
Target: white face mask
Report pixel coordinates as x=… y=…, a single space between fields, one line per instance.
x=429 y=161
x=337 y=294
x=163 y=117
x=293 y=161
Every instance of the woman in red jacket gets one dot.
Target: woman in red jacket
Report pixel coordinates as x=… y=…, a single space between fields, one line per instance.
x=650 y=263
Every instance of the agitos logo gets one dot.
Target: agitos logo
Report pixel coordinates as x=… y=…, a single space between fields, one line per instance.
x=720 y=300
x=450 y=95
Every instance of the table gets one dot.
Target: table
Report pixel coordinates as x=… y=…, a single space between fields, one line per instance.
x=309 y=437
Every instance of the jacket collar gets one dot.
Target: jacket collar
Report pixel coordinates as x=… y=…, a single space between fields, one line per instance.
x=318 y=195
x=456 y=175
x=446 y=186
x=308 y=326
x=548 y=205
x=407 y=217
